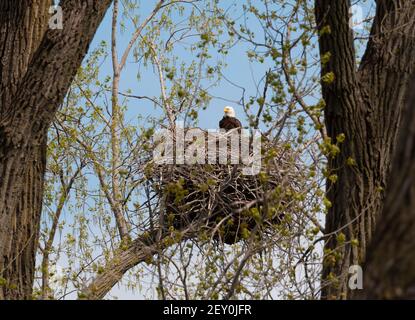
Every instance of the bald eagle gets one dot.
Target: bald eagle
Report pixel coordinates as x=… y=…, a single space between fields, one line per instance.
x=229 y=120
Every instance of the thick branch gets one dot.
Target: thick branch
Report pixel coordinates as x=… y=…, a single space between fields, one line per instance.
x=140 y=250
x=336 y=40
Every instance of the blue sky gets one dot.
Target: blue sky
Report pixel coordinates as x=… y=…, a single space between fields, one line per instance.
x=239 y=70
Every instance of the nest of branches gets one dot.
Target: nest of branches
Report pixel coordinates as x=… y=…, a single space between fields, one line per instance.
x=229 y=205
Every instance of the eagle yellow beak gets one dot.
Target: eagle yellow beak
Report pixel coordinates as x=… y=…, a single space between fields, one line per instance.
x=226 y=110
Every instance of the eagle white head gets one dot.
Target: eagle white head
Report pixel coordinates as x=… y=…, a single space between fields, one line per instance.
x=229 y=112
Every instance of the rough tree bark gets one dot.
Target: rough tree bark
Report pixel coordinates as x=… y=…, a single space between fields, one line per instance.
x=365 y=104
x=29 y=19
x=389 y=269
x=37 y=67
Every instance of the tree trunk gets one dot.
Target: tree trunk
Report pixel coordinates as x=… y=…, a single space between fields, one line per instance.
x=365 y=105
x=389 y=269
x=37 y=67
x=21 y=192
x=21 y=169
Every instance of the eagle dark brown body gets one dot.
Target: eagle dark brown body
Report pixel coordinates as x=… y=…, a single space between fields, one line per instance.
x=229 y=123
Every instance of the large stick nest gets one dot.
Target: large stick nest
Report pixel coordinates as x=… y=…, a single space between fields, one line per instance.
x=229 y=205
